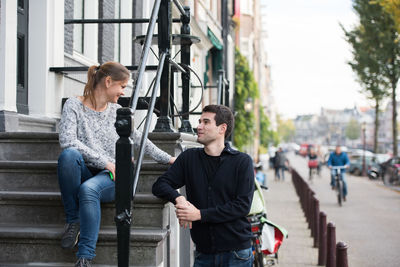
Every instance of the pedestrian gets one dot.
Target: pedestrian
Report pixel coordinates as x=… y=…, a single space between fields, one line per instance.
x=86 y=166
x=219 y=186
x=281 y=164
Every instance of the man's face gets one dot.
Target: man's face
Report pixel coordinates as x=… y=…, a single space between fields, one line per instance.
x=207 y=130
x=338 y=150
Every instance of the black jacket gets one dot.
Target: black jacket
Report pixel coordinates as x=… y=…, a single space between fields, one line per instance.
x=223 y=202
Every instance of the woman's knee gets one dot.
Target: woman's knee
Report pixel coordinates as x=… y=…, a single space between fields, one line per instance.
x=69 y=155
x=88 y=190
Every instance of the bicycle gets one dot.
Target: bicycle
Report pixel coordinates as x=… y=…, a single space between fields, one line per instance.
x=265 y=250
x=339 y=183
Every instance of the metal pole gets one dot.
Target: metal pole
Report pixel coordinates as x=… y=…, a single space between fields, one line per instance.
x=341 y=255
x=180 y=7
x=322 y=239
x=143 y=57
x=147 y=124
x=316 y=222
x=123 y=183
x=220 y=84
x=331 y=246
x=364 y=171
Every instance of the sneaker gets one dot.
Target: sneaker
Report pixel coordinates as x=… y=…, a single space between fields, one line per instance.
x=70 y=235
x=344 y=198
x=82 y=262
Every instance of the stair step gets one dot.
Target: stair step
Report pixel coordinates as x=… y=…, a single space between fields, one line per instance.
x=29 y=175
x=41 y=244
x=39 y=208
x=41 y=175
x=29 y=146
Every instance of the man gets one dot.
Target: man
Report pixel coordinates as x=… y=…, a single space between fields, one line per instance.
x=219 y=186
x=280 y=164
x=339 y=158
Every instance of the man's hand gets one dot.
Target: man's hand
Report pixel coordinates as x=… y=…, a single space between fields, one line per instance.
x=187 y=212
x=182 y=200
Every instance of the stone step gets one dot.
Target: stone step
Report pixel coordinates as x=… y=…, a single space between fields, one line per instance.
x=29 y=146
x=41 y=175
x=38 y=208
x=26 y=244
x=45 y=146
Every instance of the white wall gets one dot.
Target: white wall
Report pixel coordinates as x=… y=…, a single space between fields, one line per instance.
x=46 y=43
x=8 y=55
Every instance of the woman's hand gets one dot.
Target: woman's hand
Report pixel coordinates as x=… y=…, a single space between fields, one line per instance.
x=171 y=160
x=111 y=167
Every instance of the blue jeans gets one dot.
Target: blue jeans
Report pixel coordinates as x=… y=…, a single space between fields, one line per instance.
x=240 y=258
x=81 y=193
x=333 y=175
x=282 y=170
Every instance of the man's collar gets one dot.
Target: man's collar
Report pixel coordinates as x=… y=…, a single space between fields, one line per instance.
x=229 y=149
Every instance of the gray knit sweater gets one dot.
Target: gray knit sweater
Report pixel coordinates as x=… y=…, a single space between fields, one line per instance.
x=93 y=134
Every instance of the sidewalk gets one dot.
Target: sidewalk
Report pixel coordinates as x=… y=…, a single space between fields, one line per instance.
x=283 y=208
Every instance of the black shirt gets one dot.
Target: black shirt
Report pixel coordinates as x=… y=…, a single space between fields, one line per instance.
x=223 y=201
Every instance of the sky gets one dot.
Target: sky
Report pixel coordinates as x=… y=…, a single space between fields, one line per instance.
x=308 y=56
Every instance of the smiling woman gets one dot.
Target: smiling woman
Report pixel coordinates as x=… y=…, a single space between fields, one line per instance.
x=87 y=162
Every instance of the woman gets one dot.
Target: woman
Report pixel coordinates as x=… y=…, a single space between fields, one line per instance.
x=88 y=137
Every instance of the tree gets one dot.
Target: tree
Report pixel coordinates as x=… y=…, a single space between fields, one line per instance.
x=392 y=7
x=353 y=130
x=379 y=60
x=368 y=70
x=245 y=88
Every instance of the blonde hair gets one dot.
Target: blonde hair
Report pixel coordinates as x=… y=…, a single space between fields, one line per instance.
x=97 y=74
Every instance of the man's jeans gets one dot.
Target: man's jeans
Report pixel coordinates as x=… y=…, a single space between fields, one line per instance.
x=240 y=258
x=81 y=194
x=333 y=175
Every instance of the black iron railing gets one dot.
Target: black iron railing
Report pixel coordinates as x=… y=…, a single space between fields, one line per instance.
x=127 y=179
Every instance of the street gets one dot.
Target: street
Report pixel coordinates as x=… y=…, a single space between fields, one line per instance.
x=368 y=221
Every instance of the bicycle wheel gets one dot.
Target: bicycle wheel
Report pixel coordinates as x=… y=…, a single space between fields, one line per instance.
x=340 y=192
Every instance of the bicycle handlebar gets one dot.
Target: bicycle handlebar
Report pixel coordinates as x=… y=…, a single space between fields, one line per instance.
x=338 y=167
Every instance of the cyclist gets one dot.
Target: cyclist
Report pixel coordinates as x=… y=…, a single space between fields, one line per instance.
x=312 y=161
x=338 y=158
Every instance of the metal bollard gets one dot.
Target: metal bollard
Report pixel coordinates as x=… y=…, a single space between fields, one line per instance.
x=322 y=239
x=341 y=255
x=316 y=222
x=312 y=208
x=331 y=245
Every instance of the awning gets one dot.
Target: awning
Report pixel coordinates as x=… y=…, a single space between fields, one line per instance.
x=214 y=40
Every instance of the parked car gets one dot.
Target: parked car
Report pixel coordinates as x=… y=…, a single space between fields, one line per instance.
x=356 y=164
x=391 y=171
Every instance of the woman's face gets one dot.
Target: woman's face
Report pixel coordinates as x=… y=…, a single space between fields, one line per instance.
x=115 y=89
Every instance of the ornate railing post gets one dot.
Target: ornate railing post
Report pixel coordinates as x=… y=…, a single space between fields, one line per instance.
x=185 y=59
x=164 y=45
x=123 y=183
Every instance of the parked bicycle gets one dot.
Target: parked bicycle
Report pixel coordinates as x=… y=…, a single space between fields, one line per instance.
x=267 y=236
x=339 y=183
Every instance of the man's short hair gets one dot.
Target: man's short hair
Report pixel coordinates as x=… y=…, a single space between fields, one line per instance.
x=223 y=114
